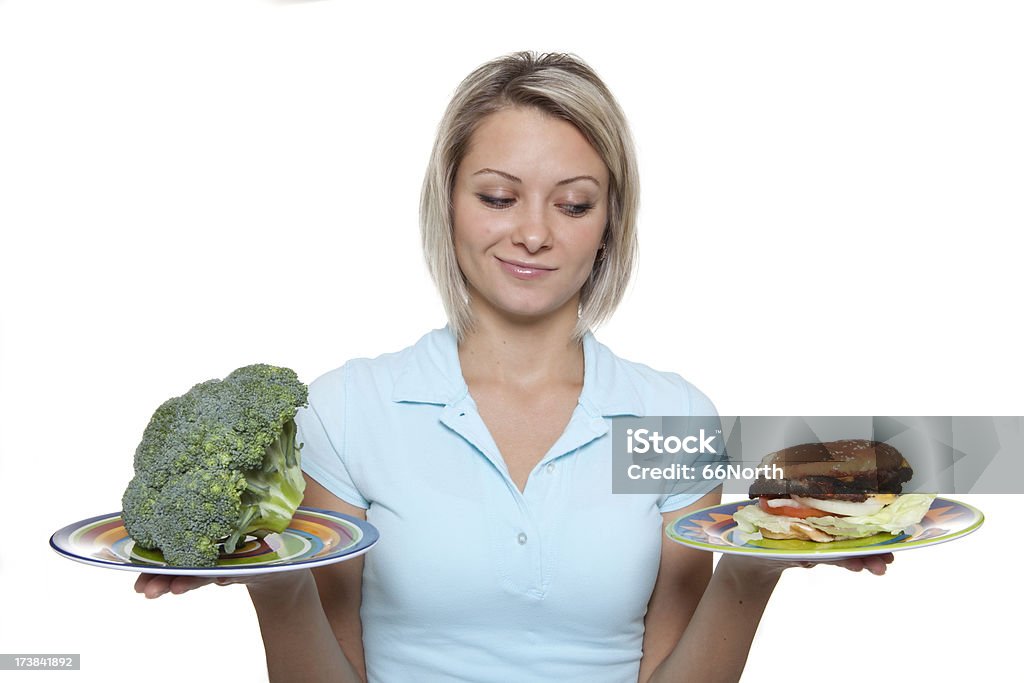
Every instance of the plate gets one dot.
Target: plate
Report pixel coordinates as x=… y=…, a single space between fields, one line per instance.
x=714 y=529
x=315 y=538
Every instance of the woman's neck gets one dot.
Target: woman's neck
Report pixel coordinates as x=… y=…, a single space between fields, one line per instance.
x=521 y=353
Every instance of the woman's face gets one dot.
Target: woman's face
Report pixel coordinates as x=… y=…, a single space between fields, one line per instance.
x=530 y=207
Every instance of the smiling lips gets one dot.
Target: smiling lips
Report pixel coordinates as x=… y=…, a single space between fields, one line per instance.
x=524 y=271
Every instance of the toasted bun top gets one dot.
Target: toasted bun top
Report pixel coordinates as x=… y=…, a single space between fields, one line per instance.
x=845 y=458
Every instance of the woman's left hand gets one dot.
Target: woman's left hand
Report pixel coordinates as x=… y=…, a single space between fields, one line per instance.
x=755 y=566
x=876 y=564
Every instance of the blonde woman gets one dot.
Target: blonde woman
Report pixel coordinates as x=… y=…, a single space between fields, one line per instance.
x=482 y=452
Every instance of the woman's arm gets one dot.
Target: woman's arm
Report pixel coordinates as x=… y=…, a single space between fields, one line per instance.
x=312 y=631
x=717 y=637
x=297 y=637
x=340 y=585
x=683 y=576
x=713 y=617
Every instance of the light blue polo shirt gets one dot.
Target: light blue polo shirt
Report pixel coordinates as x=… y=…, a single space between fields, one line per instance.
x=473 y=580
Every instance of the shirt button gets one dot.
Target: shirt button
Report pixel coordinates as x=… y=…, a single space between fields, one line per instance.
x=521 y=538
x=551 y=467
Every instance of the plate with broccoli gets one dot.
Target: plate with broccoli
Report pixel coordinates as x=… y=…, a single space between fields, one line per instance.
x=314 y=538
x=217 y=488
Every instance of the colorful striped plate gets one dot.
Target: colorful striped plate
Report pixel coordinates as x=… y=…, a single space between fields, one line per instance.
x=315 y=538
x=714 y=529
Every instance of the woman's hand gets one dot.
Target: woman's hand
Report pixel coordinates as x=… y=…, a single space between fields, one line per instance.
x=155 y=585
x=749 y=567
x=876 y=564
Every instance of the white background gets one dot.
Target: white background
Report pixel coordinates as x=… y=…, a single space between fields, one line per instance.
x=831 y=209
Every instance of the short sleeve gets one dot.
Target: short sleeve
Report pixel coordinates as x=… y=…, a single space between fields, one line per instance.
x=321 y=431
x=684 y=493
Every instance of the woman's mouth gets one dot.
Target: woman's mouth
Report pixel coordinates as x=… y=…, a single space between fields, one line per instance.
x=523 y=270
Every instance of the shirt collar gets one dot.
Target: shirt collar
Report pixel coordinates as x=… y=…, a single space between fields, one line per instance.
x=430 y=372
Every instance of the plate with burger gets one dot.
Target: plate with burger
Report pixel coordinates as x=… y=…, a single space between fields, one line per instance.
x=834 y=499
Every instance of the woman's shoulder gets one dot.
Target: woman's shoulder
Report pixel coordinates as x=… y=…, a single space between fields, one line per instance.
x=643 y=390
x=391 y=373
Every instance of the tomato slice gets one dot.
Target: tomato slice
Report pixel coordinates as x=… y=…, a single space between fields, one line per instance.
x=787 y=511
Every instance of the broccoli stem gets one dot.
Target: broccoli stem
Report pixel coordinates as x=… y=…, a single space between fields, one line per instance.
x=290 y=460
x=256 y=489
x=243 y=522
x=275 y=490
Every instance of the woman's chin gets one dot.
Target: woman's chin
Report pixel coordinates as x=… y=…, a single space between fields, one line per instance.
x=532 y=312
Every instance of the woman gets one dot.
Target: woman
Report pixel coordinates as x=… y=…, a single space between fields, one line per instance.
x=482 y=452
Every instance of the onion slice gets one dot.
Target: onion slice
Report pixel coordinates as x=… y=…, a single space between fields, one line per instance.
x=847 y=508
x=784 y=503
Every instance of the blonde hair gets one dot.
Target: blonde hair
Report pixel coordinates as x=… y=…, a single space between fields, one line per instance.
x=563 y=86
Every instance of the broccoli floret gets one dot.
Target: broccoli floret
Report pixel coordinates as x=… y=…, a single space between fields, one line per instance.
x=217 y=464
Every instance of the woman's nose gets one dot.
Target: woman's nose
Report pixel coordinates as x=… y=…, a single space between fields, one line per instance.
x=532 y=230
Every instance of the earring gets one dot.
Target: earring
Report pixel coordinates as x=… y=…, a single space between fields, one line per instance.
x=602 y=252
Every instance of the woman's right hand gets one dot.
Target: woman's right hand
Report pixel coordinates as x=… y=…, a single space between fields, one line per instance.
x=155 y=585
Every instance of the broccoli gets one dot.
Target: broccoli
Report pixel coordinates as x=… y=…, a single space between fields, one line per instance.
x=216 y=464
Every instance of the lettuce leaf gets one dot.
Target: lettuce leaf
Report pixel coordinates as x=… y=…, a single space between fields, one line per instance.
x=907 y=510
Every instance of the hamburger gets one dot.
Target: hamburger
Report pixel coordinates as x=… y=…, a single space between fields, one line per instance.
x=832 y=491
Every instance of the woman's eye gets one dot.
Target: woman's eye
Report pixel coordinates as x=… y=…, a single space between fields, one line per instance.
x=576 y=209
x=496 y=202
x=573 y=210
